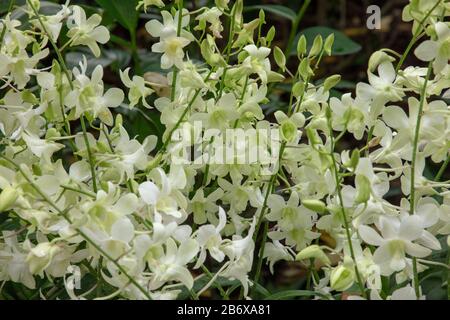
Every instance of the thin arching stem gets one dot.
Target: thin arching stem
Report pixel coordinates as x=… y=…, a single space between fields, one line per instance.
x=415 y=37
x=412 y=200
x=341 y=201
x=66 y=72
x=175 y=69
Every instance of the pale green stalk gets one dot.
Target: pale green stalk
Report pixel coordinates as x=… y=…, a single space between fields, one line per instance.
x=227 y=50
x=177 y=124
x=175 y=69
x=66 y=72
x=415 y=37
x=295 y=25
x=341 y=201
x=412 y=200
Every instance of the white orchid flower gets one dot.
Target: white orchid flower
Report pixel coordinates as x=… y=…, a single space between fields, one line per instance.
x=437 y=50
x=86 y=32
x=396 y=240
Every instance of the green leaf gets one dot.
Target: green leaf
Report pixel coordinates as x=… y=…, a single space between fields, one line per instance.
x=261 y=290
x=343 y=45
x=124 y=11
x=288 y=294
x=281 y=11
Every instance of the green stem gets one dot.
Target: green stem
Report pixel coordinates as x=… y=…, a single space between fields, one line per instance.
x=63 y=114
x=412 y=199
x=175 y=69
x=369 y=138
x=295 y=25
x=341 y=201
x=63 y=66
x=206 y=174
x=55 y=47
x=210 y=275
x=66 y=72
x=134 y=52
x=89 y=152
x=86 y=193
x=261 y=251
x=177 y=124
x=227 y=49
x=442 y=169
x=269 y=190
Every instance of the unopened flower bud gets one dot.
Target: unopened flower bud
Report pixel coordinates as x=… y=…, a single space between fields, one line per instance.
x=331 y=82
x=328 y=46
x=301 y=46
x=313 y=251
x=378 y=58
x=7 y=198
x=280 y=59
x=363 y=188
x=314 y=205
x=317 y=46
x=342 y=278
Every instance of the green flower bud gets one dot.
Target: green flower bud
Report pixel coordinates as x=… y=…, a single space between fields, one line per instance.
x=315 y=205
x=301 y=46
x=354 y=159
x=328 y=46
x=275 y=77
x=52 y=133
x=331 y=82
x=444 y=50
x=103 y=146
x=270 y=35
x=316 y=47
x=222 y=4
x=36 y=48
x=363 y=189
x=378 y=58
x=210 y=56
x=304 y=69
x=238 y=7
x=8 y=197
x=313 y=137
x=280 y=59
x=262 y=17
x=313 y=251
x=298 y=89
x=342 y=278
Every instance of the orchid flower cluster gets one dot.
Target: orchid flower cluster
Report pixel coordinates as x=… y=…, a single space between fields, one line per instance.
x=78 y=193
